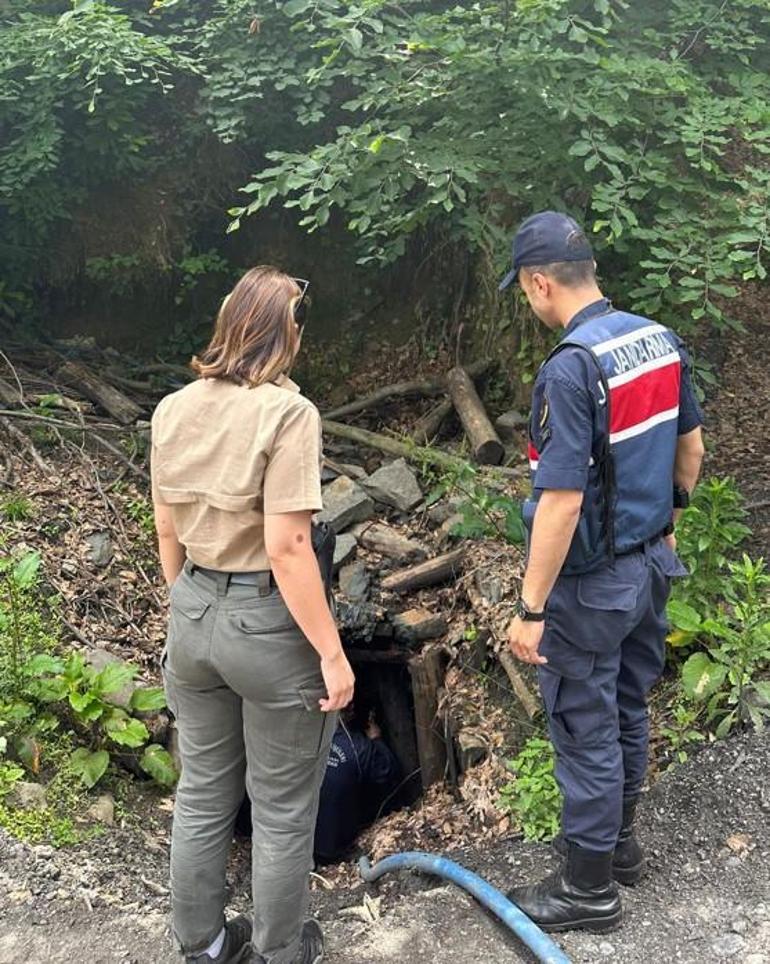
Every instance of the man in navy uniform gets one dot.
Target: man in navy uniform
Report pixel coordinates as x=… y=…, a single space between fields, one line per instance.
x=615 y=449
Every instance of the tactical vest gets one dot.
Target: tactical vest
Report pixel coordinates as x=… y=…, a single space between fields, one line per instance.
x=629 y=496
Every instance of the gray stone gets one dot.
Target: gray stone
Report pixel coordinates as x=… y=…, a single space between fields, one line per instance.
x=103 y=809
x=98 y=659
x=489 y=585
x=355 y=581
x=728 y=945
x=345 y=503
x=99 y=548
x=396 y=485
x=417 y=625
x=352 y=471
x=344 y=550
x=739 y=926
x=439 y=513
x=28 y=796
x=606 y=949
x=510 y=425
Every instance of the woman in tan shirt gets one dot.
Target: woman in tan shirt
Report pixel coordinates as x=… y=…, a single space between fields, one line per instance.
x=253 y=665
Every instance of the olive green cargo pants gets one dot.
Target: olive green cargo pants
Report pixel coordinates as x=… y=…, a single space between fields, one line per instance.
x=244 y=684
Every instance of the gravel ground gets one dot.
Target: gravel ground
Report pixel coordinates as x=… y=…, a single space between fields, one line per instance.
x=705 y=899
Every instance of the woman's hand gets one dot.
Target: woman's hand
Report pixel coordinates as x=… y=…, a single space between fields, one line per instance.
x=339 y=679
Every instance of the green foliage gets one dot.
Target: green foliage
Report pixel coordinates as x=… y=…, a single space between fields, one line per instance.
x=730 y=675
x=16 y=508
x=648 y=121
x=141 y=511
x=487 y=513
x=708 y=534
x=682 y=730
x=533 y=799
x=44 y=694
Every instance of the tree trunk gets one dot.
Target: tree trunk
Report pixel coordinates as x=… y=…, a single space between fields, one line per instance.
x=487 y=447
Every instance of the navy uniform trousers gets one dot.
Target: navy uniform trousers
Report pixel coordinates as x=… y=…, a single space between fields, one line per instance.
x=604 y=640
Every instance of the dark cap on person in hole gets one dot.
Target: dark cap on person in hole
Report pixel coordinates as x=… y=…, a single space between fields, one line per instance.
x=547 y=237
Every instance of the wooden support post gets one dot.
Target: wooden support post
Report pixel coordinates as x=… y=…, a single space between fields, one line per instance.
x=425 y=573
x=487 y=447
x=82 y=378
x=427 y=672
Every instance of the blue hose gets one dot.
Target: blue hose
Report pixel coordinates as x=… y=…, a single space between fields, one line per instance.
x=526 y=930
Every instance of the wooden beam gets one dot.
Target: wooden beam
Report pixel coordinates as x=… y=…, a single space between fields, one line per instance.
x=426 y=573
x=427 y=671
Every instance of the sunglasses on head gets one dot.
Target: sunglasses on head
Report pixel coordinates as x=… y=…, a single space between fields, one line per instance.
x=302 y=305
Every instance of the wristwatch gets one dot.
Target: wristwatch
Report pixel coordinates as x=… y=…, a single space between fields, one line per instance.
x=528 y=615
x=681 y=497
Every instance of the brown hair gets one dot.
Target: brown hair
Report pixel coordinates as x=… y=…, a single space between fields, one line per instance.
x=255 y=338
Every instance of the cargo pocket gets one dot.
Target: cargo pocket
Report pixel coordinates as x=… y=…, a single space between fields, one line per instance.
x=314 y=727
x=571 y=697
x=606 y=606
x=669 y=562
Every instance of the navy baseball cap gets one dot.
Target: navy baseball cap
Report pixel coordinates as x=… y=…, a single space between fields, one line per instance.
x=545 y=238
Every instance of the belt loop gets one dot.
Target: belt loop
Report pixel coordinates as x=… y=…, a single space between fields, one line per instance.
x=264 y=583
x=189 y=567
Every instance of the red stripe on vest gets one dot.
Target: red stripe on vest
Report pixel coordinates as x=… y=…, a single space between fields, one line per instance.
x=643 y=397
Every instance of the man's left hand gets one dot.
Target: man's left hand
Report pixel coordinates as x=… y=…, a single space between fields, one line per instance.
x=524 y=640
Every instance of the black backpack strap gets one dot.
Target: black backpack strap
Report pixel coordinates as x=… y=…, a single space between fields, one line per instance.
x=603 y=456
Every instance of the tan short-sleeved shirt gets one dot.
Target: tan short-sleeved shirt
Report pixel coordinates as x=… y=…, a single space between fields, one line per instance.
x=224 y=455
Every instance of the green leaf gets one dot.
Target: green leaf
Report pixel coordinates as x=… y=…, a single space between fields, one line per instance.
x=147 y=699
x=293 y=7
x=26 y=569
x=683 y=616
x=701 y=676
x=113 y=678
x=44 y=664
x=159 y=764
x=122 y=729
x=90 y=767
x=356 y=39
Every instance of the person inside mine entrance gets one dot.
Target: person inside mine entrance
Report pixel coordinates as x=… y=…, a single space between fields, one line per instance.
x=360 y=785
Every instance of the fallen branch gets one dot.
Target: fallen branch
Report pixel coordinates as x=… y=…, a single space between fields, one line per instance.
x=428 y=427
x=392 y=446
x=426 y=573
x=27 y=443
x=520 y=688
x=93 y=387
x=402 y=389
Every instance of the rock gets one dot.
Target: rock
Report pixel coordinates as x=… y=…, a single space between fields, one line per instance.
x=489 y=585
x=99 y=548
x=416 y=625
x=445 y=534
x=728 y=945
x=472 y=747
x=387 y=542
x=344 y=550
x=510 y=425
x=606 y=949
x=103 y=809
x=355 y=581
x=439 y=513
x=396 y=485
x=28 y=796
x=739 y=926
x=98 y=659
x=345 y=503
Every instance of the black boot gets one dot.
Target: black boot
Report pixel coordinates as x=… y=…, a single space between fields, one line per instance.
x=235 y=948
x=580 y=896
x=628 y=860
x=311 y=949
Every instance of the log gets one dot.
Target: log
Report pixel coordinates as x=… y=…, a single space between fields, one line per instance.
x=520 y=688
x=487 y=447
x=418 y=625
x=402 y=389
x=82 y=378
x=392 y=446
x=427 y=672
x=428 y=427
x=425 y=573
x=385 y=541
